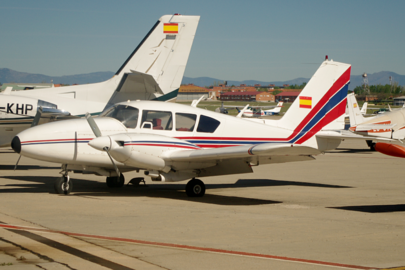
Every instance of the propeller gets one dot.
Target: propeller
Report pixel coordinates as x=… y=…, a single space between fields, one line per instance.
x=15 y=167
x=100 y=142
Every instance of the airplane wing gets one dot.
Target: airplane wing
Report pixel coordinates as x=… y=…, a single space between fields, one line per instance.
x=244 y=151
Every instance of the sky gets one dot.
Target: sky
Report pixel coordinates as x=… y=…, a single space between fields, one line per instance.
x=235 y=40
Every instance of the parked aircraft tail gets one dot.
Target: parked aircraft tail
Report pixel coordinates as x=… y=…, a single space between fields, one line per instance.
x=355 y=115
x=320 y=104
x=156 y=67
x=364 y=108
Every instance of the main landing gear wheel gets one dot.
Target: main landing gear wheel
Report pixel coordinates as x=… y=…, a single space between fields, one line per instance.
x=63 y=185
x=371 y=144
x=195 y=188
x=113 y=181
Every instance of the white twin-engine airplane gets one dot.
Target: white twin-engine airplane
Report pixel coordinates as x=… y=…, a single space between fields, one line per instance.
x=258 y=111
x=153 y=71
x=174 y=142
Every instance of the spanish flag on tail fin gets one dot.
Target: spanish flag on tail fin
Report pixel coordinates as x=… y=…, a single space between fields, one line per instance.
x=171 y=28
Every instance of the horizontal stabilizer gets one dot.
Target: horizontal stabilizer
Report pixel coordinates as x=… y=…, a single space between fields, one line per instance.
x=344 y=134
x=135 y=85
x=265 y=149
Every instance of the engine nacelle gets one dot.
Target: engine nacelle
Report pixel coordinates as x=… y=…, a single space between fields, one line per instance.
x=145 y=151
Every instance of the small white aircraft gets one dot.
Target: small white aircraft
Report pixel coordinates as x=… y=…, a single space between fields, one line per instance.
x=388 y=126
x=258 y=111
x=174 y=142
x=154 y=70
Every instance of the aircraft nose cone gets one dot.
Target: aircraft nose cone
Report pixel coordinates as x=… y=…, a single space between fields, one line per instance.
x=16 y=144
x=100 y=143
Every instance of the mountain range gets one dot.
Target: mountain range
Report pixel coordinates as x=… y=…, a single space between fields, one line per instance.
x=12 y=76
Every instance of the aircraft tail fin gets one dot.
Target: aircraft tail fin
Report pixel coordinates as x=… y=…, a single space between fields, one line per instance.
x=280 y=104
x=162 y=54
x=355 y=114
x=364 y=108
x=321 y=102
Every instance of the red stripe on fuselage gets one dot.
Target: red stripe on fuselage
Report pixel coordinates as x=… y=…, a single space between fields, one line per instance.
x=162 y=145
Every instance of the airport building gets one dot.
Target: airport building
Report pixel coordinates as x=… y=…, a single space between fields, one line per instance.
x=247 y=96
x=289 y=96
x=27 y=86
x=191 y=92
x=399 y=101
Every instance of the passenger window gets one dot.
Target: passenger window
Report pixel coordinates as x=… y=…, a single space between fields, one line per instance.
x=207 y=124
x=185 y=121
x=160 y=120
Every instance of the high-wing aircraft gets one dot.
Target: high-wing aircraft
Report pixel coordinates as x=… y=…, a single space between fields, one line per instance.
x=258 y=111
x=174 y=142
x=154 y=70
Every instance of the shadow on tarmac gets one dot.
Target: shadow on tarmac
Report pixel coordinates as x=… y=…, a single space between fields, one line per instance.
x=374 y=208
x=350 y=151
x=81 y=187
x=25 y=167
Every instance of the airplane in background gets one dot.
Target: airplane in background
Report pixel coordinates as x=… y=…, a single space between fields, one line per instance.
x=387 y=126
x=258 y=111
x=363 y=109
x=174 y=142
x=153 y=71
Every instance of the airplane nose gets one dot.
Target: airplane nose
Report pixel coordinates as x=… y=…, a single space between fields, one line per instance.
x=16 y=144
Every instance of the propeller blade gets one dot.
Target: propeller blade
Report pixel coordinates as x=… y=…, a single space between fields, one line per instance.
x=112 y=161
x=15 y=167
x=97 y=133
x=93 y=125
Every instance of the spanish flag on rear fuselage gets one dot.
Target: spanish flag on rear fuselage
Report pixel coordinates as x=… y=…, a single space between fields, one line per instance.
x=306 y=102
x=170 y=28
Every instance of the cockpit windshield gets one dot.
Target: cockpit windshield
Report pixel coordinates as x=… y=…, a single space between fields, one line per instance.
x=125 y=114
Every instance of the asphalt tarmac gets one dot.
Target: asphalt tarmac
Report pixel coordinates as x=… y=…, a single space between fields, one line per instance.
x=344 y=210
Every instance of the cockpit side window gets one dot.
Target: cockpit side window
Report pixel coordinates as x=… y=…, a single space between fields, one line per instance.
x=127 y=115
x=161 y=120
x=207 y=124
x=185 y=121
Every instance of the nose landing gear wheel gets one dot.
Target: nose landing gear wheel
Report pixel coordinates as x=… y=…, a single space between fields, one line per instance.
x=115 y=182
x=195 y=188
x=63 y=185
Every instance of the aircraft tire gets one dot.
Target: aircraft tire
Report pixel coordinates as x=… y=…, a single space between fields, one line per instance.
x=112 y=181
x=371 y=144
x=195 y=188
x=60 y=187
